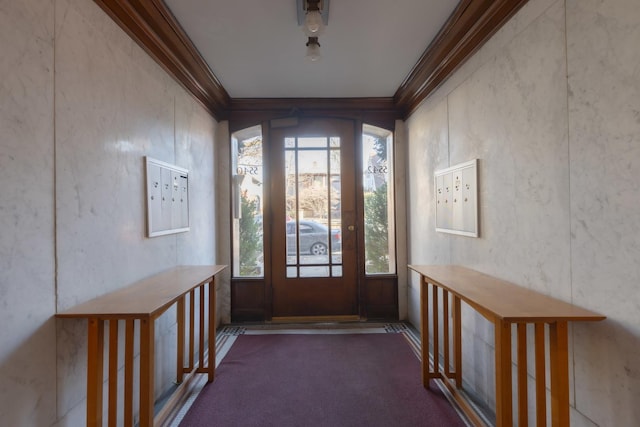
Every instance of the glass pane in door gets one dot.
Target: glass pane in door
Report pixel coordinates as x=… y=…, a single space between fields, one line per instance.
x=313 y=224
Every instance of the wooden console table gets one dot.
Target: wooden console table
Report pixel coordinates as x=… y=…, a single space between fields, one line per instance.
x=145 y=301
x=504 y=304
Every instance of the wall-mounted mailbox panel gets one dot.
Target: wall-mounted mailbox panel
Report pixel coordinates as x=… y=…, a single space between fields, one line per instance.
x=456 y=191
x=167 y=198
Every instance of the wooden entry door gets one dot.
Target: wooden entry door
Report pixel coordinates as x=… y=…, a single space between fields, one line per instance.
x=313 y=230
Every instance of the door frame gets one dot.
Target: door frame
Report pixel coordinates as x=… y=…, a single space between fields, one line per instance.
x=251 y=298
x=286 y=294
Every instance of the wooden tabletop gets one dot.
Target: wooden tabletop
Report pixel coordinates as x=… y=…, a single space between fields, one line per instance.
x=502 y=299
x=147 y=296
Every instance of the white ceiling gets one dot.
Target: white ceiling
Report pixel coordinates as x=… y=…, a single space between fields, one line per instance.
x=256 y=49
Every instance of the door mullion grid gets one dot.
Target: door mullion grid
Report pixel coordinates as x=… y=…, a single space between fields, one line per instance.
x=297 y=207
x=328 y=212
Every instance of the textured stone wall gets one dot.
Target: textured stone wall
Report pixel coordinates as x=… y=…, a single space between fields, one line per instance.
x=550 y=106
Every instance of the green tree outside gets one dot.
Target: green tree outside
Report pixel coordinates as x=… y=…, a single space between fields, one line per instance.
x=376 y=234
x=250 y=237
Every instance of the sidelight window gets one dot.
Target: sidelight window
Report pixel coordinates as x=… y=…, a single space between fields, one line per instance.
x=379 y=219
x=247 y=197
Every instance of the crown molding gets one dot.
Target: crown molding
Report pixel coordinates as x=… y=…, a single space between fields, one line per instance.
x=151 y=24
x=471 y=24
x=376 y=111
x=155 y=29
x=353 y=104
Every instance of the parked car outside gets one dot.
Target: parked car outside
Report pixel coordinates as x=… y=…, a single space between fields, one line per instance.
x=313 y=238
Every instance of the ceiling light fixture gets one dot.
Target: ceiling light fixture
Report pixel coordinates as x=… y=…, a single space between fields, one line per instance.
x=313 y=49
x=313 y=24
x=313 y=16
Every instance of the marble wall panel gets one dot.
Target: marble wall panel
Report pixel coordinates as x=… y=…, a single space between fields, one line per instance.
x=195 y=132
x=106 y=121
x=223 y=219
x=71 y=164
x=195 y=135
x=114 y=106
x=27 y=259
x=604 y=105
x=427 y=150
x=400 y=187
x=550 y=106
x=492 y=47
x=511 y=114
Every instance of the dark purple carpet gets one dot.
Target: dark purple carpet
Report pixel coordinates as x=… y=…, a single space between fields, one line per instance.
x=320 y=380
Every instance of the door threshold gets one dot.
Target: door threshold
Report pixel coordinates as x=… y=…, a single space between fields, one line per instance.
x=315 y=319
